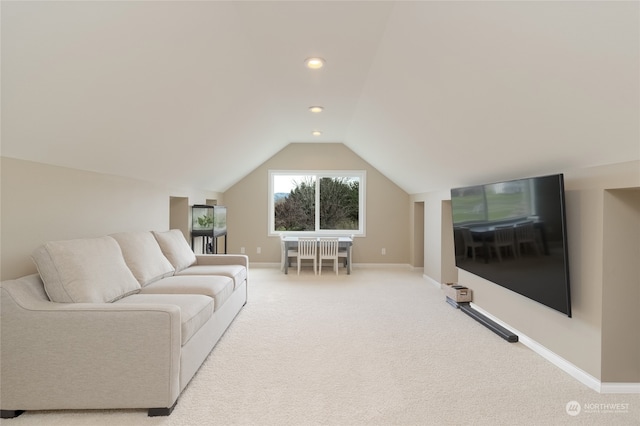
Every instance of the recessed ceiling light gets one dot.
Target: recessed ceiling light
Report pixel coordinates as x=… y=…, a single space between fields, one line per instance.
x=316 y=109
x=314 y=63
x=316 y=133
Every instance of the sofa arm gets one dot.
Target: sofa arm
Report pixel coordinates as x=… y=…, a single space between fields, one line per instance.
x=222 y=259
x=87 y=355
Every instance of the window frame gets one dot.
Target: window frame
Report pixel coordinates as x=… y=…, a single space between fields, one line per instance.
x=319 y=174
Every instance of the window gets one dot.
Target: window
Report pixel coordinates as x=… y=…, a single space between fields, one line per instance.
x=329 y=202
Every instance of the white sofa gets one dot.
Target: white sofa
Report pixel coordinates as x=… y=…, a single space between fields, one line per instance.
x=121 y=321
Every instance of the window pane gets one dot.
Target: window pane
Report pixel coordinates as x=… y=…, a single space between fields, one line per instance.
x=339 y=203
x=469 y=205
x=294 y=200
x=508 y=200
x=317 y=201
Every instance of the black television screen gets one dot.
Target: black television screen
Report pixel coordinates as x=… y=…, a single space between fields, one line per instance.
x=513 y=234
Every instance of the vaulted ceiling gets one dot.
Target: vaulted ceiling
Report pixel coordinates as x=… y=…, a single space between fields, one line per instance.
x=432 y=94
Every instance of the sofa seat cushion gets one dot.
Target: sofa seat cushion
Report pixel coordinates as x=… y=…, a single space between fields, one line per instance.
x=143 y=256
x=175 y=248
x=237 y=272
x=90 y=270
x=218 y=287
x=195 y=309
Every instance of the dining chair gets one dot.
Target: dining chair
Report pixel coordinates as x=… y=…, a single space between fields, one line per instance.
x=328 y=251
x=307 y=250
x=503 y=237
x=469 y=242
x=525 y=235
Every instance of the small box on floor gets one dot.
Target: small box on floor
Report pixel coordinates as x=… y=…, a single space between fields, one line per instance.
x=457 y=293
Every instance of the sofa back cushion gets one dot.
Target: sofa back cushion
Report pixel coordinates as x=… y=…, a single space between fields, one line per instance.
x=175 y=248
x=143 y=256
x=86 y=270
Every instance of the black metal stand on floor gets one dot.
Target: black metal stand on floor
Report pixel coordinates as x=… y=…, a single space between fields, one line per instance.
x=209 y=241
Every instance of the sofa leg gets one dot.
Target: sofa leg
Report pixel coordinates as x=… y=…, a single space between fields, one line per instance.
x=156 y=412
x=10 y=414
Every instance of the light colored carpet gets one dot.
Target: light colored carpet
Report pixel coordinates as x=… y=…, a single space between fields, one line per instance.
x=378 y=347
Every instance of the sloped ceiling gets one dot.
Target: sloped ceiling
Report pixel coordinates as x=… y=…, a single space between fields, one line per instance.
x=433 y=94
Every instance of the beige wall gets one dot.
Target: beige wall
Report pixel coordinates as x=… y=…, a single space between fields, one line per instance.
x=439 y=261
x=449 y=272
x=597 y=280
x=621 y=292
x=387 y=206
x=42 y=203
x=416 y=242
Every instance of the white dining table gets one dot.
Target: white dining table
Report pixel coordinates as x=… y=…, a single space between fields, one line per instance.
x=292 y=241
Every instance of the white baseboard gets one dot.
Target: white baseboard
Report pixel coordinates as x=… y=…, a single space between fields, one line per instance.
x=432 y=281
x=569 y=368
x=620 y=388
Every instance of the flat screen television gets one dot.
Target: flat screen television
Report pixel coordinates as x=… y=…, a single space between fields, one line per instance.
x=513 y=234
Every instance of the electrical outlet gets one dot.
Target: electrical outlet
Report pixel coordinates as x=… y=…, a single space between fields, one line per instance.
x=384 y=251
x=259 y=250
x=241 y=250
